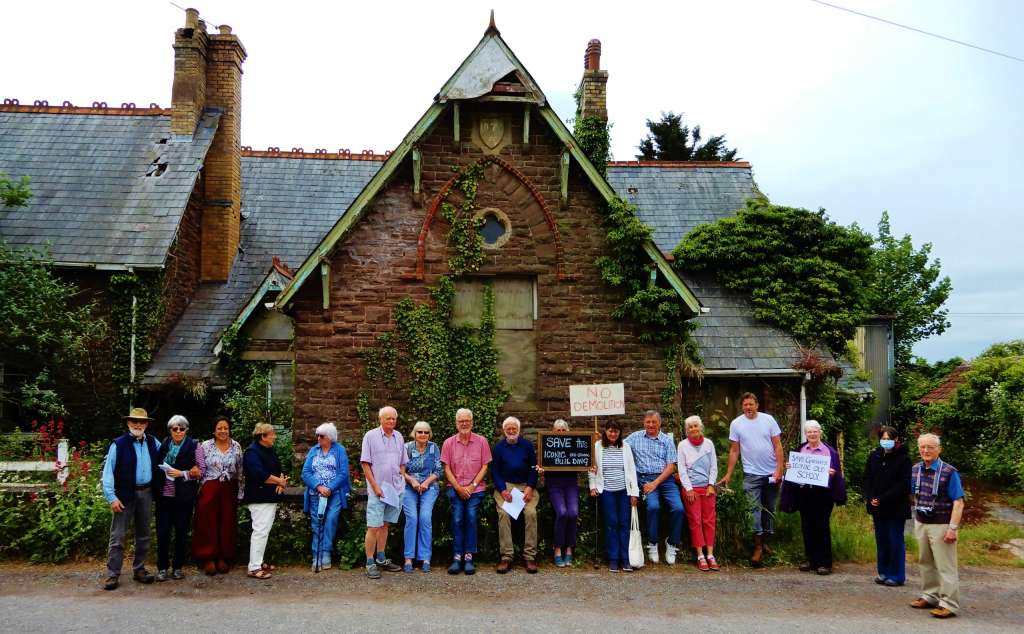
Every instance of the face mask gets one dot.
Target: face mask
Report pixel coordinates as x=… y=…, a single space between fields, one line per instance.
x=137 y=433
x=887 y=444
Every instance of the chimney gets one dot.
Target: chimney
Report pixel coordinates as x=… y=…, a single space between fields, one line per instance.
x=593 y=88
x=188 y=93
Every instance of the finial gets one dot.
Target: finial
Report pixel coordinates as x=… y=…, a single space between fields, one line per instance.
x=491 y=28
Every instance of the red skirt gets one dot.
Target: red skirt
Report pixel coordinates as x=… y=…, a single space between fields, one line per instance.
x=216 y=521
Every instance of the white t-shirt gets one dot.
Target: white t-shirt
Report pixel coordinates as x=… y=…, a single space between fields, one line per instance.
x=755 y=439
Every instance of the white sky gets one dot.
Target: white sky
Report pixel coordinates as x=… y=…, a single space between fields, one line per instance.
x=833 y=110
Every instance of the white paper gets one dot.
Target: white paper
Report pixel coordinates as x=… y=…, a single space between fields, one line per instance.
x=516 y=506
x=390 y=496
x=166 y=467
x=805 y=468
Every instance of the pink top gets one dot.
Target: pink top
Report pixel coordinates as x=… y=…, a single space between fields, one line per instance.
x=385 y=455
x=820 y=450
x=466 y=458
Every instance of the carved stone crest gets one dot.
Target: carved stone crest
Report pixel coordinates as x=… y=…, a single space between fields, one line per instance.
x=491 y=132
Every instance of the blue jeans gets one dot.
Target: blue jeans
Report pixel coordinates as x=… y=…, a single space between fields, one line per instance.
x=323 y=533
x=464 y=521
x=890 y=549
x=667 y=493
x=763 y=497
x=419 y=521
x=615 y=513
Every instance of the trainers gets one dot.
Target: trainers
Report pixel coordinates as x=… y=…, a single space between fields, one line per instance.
x=161 y=575
x=567 y=559
x=652 y=553
x=468 y=567
x=178 y=574
x=559 y=561
x=613 y=567
x=142 y=576
x=407 y=567
x=670 y=554
x=426 y=566
x=372 y=571
x=455 y=568
x=626 y=567
x=389 y=566
x=111 y=583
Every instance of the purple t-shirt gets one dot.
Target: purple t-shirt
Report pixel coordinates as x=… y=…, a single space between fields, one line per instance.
x=385 y=455
x=755 y=439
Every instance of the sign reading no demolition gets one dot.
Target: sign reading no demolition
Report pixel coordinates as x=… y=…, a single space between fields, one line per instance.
x=606 y=399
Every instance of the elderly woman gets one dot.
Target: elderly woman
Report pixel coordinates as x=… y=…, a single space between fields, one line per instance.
x=613 y=478
x=264 y=489
x=815 y=503
x=563 y=489
x=175 y=485
x=325 y=474
x=422 y=474
x=216 y=528
x=698 y=472
x=887 y=495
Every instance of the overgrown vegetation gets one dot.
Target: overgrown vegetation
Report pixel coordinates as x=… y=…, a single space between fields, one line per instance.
x=136 y=308
x=14 y=193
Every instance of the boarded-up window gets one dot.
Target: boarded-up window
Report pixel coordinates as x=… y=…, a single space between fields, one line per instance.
x=515 y=309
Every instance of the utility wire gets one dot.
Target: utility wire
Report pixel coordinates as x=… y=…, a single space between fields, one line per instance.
x=916 y=30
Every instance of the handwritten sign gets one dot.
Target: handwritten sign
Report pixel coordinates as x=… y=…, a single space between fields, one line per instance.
x=805 y=468
x=565 y=451
x=606 y=399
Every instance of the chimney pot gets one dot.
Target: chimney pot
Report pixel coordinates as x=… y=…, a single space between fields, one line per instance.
x=224 y=29
x=191 y=18
x=592 y=60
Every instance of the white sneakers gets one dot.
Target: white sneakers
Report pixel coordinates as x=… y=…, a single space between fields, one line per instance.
x=670 y=554
x=652 y=553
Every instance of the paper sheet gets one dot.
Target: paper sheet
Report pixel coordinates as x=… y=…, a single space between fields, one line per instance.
x=516 y=506
x=390 y=496
x=166 y=467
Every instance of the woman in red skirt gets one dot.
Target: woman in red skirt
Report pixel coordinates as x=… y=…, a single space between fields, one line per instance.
x=220 y=462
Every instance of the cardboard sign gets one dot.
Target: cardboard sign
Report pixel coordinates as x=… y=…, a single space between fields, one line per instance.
x=805 y=468
x=565 y=450
x=606 y=399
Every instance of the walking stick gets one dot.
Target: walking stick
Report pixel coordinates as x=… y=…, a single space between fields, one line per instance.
x=321 y=514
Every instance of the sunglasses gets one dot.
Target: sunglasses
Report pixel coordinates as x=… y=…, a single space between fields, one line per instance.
x=178 y=429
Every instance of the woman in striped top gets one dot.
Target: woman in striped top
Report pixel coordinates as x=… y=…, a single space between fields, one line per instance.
x=613 y=478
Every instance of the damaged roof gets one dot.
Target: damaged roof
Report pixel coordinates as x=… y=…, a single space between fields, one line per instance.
x=108 y=190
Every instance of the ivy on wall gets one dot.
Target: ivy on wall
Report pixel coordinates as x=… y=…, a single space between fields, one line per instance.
x=148 y=313
x=467 y=245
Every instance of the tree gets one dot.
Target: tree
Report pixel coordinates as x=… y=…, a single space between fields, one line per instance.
x=671 y=140
x=802 y=271
x=14 y=194
x=907 y=286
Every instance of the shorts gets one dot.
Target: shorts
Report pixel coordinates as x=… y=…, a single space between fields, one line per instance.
x=377 y=512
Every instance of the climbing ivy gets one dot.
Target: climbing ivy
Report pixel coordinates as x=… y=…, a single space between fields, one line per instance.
x=594 y=140
x=148 y=312
x=467 y=252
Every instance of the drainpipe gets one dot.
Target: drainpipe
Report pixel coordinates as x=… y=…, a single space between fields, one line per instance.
x=131 y=357
x=803 y=405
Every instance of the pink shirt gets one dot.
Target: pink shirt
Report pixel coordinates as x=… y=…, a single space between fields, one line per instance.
x=466 y=459
x=820 y=450
x=385 y=455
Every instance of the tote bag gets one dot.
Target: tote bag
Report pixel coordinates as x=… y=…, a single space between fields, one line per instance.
x=636 y=543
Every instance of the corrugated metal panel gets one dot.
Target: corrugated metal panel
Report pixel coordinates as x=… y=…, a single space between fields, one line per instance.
x=878 y=361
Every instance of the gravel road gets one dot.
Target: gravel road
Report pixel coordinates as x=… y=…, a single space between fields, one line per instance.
x=68 y=598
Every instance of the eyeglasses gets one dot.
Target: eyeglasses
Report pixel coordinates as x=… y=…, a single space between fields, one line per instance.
x=321 y=436
x=420 y=431
x=177 y=429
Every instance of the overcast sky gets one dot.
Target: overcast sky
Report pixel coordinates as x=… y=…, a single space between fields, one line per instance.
x=833 y=110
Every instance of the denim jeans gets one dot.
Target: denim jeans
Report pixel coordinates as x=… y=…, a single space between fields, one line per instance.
x=418 y=509
x=890 y=549
x=324 y=532
x=667 y=493
x=138 y=512
x=616 y=515
x=464 y=521
x=763 y=497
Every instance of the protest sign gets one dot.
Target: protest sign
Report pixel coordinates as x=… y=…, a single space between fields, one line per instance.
x=597 y=400
x=805 y=468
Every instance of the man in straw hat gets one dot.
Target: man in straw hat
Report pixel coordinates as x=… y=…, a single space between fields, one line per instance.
x=131 y=466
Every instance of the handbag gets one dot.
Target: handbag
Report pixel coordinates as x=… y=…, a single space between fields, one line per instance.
x=636 y=543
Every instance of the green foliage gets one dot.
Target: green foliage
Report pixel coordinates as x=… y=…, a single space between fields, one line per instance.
x=14 y=194
x=594 y=140
x=467 y=253
x=906 y=285
x=802 y=271
x=670 y=140
x=912 y=381
x=136 y=306
x=46 y=330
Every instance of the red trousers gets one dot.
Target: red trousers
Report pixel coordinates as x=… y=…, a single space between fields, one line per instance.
x=216 y=526
x=700 y=515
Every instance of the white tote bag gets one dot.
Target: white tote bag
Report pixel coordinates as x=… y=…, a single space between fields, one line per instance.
x=636 y=542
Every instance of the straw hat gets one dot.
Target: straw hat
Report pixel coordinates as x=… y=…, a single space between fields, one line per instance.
x=138 y=413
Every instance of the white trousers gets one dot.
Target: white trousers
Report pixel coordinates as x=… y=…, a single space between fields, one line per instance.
x=262 y=521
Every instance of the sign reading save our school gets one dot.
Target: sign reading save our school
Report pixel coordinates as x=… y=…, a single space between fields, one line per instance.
x=805 y=468
x=565 y=450
x=606 y=399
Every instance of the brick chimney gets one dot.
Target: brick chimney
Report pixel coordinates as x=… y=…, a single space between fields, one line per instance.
x=594 y=87
x=208 y=75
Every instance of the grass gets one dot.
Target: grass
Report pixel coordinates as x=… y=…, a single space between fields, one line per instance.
x=980 y=544
x=1016 y=500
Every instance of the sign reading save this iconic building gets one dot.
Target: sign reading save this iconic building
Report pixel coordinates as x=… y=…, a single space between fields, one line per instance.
x=308 y=252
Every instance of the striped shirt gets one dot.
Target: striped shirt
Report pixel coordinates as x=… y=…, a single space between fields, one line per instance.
x=613 y=469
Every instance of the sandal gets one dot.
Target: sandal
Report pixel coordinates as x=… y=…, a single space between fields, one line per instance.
x=268 y=567
x=702 y=564
x=259 y=574
x=712 y=564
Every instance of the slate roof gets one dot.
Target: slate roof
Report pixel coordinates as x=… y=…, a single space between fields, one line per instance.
x=287 y=206
x=91 y=197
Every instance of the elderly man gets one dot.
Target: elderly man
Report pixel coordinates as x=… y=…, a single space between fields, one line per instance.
x=938 y=507
x=131 y=467
x=383 y=460
x=465 y=457
x=655 y=456
x=515 y=467
x=757 y=437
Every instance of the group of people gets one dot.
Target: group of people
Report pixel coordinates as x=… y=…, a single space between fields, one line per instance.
x=209 y=479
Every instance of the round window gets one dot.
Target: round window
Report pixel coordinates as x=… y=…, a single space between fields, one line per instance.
x=494 y=228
